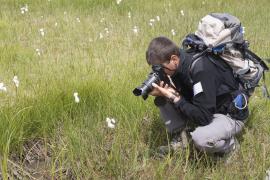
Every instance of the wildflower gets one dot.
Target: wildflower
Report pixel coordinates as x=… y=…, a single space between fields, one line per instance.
x=38 y=52
x=55 y=24
x=182 y=12
x=106 y=30
x=173 y=32
x=110 y=123
x=77 y=99
x=42 y=32
x=100 y=35
x=243 y=30
x=102 y=20
x=158 y=18
x=78 y=19
x=151 y=22
x=16 y=81
x=24 y=9
x=3 y=87
x=118 y=1
x=135 y=29
x=267 y=174
x=129 y=14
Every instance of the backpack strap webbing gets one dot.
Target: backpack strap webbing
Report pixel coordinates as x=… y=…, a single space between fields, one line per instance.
x=252 y=54
x=264 y=88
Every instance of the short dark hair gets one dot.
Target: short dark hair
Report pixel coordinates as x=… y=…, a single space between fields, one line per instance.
x=160 y=50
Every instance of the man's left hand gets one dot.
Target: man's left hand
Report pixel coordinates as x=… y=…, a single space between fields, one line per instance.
x=168 y=92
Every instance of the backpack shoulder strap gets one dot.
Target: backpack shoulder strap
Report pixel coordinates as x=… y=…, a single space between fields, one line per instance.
x=197 y=57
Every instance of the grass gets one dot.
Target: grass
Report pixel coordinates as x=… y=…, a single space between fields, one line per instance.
x=104 y=72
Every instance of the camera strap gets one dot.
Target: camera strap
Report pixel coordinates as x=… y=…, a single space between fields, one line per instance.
x=172 y=85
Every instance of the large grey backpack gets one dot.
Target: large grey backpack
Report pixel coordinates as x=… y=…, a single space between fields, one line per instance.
x=222 y=34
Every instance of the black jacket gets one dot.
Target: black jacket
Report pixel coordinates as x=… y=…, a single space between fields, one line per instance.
x=205 y=87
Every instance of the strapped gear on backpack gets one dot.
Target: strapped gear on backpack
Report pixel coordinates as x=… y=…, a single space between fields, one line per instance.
x=222 y=34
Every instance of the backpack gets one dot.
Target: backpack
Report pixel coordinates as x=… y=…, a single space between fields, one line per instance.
x=222 y=34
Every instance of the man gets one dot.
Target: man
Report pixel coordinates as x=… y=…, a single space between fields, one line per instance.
x=199 y=93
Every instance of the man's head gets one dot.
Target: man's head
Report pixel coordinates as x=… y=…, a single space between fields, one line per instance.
x=165 y=52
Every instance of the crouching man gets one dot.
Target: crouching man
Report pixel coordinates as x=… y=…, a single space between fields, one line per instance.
x=200 y=93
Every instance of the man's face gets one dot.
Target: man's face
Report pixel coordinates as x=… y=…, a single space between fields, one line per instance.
x=171 y=66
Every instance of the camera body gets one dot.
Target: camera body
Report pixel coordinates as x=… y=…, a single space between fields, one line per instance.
x=155 y=76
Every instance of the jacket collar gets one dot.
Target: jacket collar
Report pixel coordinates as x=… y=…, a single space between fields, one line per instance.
x=183 y=67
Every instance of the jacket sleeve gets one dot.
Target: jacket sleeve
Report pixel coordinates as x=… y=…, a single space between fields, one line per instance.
x=203 y=104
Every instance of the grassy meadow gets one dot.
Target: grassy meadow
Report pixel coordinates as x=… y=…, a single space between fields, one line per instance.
x=97 y=49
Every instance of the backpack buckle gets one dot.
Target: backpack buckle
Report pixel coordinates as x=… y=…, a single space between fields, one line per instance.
x=247 y=86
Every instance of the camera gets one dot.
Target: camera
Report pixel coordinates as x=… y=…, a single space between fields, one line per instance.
x=155 y=76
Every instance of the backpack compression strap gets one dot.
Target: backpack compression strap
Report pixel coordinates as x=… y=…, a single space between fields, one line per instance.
x=264 y=88
x=250 y=54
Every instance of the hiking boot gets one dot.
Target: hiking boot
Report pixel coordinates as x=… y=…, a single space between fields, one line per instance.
x=231 y=155
x=178 y=143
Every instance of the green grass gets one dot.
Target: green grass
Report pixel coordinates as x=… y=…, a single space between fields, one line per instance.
x=104 y=72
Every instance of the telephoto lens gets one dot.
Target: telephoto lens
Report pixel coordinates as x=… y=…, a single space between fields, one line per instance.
x=146 y=86
x=155 y=76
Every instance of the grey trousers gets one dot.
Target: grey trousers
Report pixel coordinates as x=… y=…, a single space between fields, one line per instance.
x=216 y=137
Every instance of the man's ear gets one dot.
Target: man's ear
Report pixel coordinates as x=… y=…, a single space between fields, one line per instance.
x=175 y=58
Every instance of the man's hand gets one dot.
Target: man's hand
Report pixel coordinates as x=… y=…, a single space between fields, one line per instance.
x=156 y=91
x=165 y=90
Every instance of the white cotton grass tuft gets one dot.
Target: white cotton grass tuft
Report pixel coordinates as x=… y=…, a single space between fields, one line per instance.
x=100 y=36
x=24 y=9
x=182 y=12
x=3 y=87
x=243 y=29
x=129 y=14
x=152 y=20
x=76 y=97
x=173 y=32
x=42 y=32
x=102 y=20
x=78 y=19
x=118 y=1
x=16 y=81
x=106 y=30
x=135 y=29
x=38 y=52
x=55 y=24
x=110 y=122
x=267 y=177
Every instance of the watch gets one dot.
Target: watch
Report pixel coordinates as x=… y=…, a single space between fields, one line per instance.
x=171 y=98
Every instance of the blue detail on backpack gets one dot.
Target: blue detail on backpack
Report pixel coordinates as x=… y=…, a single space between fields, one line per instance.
x=238 y=101
x=218 y=49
